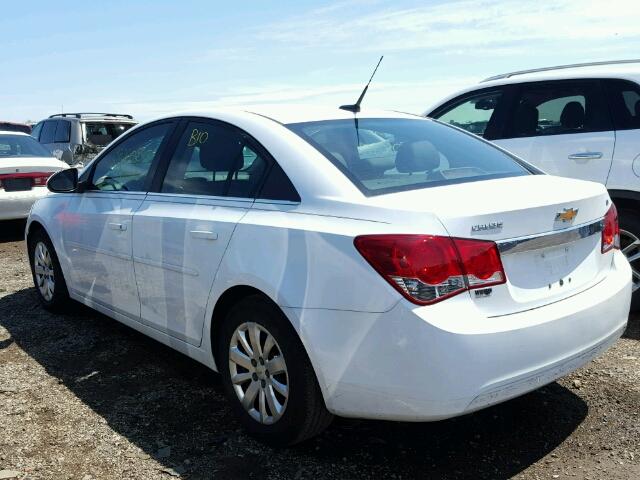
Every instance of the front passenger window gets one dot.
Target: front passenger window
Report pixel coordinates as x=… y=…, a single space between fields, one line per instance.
x=214 y=160
x=126 y=166
x=472 y=114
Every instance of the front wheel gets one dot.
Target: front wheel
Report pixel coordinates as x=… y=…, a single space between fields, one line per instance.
x=267 y=375
x=630 y=246
x=47 y=274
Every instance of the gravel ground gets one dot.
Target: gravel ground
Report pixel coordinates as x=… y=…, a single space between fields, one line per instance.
x=84 y=397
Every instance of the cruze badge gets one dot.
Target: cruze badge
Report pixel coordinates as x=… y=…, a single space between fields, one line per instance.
x=567 y=215
x=486 y=226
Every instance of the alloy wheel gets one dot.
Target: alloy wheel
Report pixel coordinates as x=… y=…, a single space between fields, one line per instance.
x=258 y=372
x=630 y=246
x=43 y=267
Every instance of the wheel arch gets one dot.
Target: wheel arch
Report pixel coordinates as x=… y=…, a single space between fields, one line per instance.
x=224 y=304
x=625 y=199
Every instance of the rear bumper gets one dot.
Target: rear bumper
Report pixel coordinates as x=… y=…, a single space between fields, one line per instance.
x=429 y=363
x=18 y=204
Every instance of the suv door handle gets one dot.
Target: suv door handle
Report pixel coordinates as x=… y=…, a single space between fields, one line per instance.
x=117 y=226
x=585 y=156
x=207 y=235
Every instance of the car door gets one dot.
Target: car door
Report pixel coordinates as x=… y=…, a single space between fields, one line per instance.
x=60 y=147
x=563 y=127
x=98 y=232
x=181 y=230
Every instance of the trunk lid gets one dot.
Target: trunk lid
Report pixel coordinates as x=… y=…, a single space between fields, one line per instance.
x=547 y=229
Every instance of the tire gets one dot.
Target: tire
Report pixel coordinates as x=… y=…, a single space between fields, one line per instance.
x=630 y=228
x=43 y=255
x=303 y=413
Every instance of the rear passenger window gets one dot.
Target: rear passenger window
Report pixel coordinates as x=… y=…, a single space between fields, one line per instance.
x=214 y=160
x=48 y=131
x=624 y=98
x=559 y=108
x=63 y=131
x=473 y=114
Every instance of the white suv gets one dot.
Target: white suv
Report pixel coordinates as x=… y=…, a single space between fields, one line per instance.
x=579 y=121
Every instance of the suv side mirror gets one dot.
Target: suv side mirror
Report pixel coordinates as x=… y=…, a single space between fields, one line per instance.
x=64 y=181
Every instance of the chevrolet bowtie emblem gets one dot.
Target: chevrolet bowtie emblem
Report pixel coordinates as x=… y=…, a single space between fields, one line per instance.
x=567 y=215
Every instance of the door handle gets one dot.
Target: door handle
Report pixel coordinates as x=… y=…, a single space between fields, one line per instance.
x=585 y=156
x=205 y=234
x=121 y=227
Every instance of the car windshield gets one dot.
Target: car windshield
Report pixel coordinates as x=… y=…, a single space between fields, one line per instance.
x=21 y=146
x=102 y=134
x=383 y=155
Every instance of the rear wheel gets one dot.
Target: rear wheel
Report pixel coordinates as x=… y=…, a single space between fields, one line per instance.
x=47 y=274
x=267 y=375
x=630 y=246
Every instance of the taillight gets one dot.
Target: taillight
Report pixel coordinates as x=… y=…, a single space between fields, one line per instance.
x=428 y=268
x=610 y=230
x=38 y=179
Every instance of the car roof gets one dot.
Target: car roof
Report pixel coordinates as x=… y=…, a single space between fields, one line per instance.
x=292 y=113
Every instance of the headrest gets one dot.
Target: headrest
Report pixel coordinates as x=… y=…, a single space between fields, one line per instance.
x=526 y=120
x=420 y=156
x=572 y=115
x=222 y=153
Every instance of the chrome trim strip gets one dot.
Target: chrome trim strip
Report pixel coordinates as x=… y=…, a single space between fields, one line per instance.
x=550 y=239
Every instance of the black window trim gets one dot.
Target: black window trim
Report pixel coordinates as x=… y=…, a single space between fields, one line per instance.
x=507 y=133
x=167 y=155
x=154 y=164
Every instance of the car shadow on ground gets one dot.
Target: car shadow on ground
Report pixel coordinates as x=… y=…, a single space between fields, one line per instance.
x=12 y=230
x=633 y=327
x=156 y=397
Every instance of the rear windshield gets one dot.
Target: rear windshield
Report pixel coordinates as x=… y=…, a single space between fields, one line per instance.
x=21 y=146
x=102 y=134
x=383 y=155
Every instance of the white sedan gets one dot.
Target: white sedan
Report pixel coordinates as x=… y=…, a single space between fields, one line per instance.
x=434 y=280
x=25 y=167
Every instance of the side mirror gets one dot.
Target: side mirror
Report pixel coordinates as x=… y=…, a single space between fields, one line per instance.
x=64 y=181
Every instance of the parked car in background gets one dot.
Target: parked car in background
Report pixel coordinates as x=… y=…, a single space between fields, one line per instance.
x=76 y=138
x=322 y=276
x=15 y=127
x=25 y=167
x=579 y=121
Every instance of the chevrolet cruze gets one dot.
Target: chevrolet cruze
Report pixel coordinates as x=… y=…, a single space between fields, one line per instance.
x=372 y=265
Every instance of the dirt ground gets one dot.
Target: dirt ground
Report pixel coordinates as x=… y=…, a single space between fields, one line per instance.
x=84 y=397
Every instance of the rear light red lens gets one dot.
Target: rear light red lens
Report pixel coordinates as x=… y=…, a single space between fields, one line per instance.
x=610 y=230
x=427 y=269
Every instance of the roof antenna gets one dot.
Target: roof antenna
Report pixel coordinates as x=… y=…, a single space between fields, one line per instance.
x=355 y=108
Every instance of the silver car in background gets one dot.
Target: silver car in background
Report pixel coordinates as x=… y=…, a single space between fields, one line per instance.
x=76 y=138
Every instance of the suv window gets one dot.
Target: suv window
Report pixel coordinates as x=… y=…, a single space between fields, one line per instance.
x=48 y=131
x=559 y=108
x=214 y=160
x=472 y=114
x=102 y=134
x=624 y=98
x=126 y=166
x=35 y=133
x=63 y=132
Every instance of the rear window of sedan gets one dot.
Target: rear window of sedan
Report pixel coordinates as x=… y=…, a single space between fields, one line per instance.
x=21 y=146
x=384 y=155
